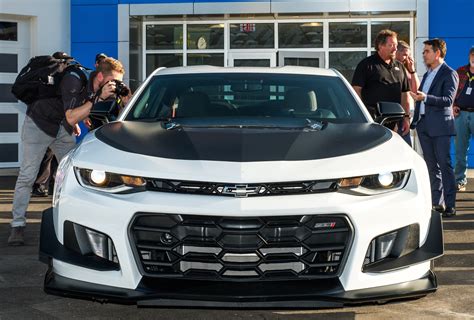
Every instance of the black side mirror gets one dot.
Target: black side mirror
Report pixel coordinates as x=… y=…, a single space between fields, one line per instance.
x=389 y=112
x=103 y=112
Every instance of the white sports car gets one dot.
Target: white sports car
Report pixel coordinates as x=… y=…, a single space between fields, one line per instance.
x=243 y=187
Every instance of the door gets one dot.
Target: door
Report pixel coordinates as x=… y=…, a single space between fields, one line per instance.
x=14 y=54
x=302 y=59
x=252 y=59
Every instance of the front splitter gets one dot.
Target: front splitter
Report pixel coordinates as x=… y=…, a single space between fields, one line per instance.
x=323 y=293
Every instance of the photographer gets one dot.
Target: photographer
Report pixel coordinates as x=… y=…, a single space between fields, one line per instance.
x=102 y=86
x=52 y=122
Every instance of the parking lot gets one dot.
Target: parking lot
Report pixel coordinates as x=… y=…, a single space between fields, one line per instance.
x=22 y=297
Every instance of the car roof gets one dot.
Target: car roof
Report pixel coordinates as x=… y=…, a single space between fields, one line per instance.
x=268 y=70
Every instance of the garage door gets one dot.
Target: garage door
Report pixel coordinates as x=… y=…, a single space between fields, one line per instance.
x=14 y=54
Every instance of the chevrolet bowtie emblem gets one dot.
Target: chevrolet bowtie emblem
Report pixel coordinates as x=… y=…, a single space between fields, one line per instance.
x=240 y=190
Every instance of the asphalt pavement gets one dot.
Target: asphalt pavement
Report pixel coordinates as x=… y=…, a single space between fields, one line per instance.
x=22 y=296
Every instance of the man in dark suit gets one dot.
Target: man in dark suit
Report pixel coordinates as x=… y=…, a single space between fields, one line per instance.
x=434 y=122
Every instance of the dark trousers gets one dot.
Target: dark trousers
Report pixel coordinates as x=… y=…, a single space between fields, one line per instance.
x=438 y=161
x=406 y=137
x=47 y=171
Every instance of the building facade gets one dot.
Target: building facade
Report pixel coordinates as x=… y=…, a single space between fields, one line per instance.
x=27 y=28
x=146 y=34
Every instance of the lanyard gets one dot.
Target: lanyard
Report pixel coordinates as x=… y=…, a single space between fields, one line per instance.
x=469 y=77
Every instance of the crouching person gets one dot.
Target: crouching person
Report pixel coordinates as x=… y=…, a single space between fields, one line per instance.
x=53 y=123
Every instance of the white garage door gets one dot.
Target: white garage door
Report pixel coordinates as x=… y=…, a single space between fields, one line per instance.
x=14 y=54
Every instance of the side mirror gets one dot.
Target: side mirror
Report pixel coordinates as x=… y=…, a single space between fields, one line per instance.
x=103 y=112
x=389 y=112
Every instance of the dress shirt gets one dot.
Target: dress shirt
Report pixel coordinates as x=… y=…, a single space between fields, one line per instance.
x=426 y=86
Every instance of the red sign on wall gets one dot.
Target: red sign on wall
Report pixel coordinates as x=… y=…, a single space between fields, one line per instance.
x=247 y=27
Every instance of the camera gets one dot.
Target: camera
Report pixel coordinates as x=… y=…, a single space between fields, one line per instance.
x=121 y=88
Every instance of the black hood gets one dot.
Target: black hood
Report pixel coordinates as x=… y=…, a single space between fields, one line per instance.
x=242 y=143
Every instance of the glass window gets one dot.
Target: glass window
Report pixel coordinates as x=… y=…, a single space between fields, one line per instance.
x=8 y=63
x=211 y=59
x=8 y=152
x=8 y=122
x=346 y=62
x=135 y=50
x=251 y=62
x=8 y=31
x=257 y=95
x=347 y=34
x=252 y=35
x=400 y=27
x=206 y=36
x=302 y=62
x=300 y=35
x=164 y=37
x=169 y=60
x=6 y=93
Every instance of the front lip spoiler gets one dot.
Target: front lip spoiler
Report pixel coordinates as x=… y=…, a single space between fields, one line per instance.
x=324 y=293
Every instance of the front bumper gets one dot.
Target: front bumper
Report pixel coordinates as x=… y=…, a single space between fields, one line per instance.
x=324 y=293
x=150 y=291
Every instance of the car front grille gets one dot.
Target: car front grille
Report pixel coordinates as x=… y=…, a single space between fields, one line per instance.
x=241 y=190
x=231 y=248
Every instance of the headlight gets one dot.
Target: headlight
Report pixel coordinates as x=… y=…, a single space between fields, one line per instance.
x=375 y=184
x=61 y=172
x=109 y=182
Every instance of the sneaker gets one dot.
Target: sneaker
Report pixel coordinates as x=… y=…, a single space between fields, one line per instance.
x=438 y=208
x=461 y=187
x=16 y=237
x=39 y=191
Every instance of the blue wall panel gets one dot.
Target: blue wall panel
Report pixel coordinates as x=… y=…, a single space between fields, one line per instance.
x=85 y=52
x=94 y=23
x=94 y=29
x=446 y=21
x=93 y=2
x=450 y=19
x=458 y=51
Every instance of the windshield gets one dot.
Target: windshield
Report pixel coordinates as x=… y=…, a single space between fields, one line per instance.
x=233 y=95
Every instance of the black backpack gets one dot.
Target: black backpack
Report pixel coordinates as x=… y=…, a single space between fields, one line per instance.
x=39 y=79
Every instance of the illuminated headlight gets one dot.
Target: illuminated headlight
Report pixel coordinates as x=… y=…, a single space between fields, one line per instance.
x=376 y=183
x=109 y=182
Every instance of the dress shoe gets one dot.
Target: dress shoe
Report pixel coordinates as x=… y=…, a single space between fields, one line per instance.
x=438 y=208
x=16 y=237
x=449 y=212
